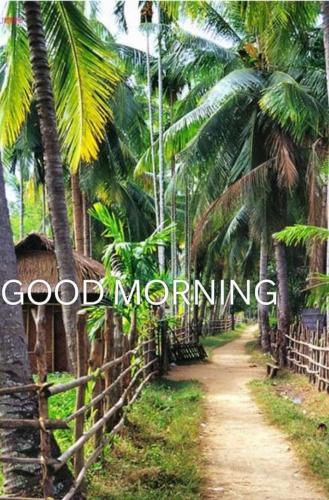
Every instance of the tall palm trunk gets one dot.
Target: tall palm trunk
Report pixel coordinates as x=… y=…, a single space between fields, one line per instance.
x=187 y=256
x=20 y=480
x=21 y=201
x=87 y=246
x=150 y=112
x=77 y=212
x=161 y=157
x=173 y=206
x=173 y=241
x=44 y=209
x=264 y=325
x=283 y=300
x=53 y=171
x=325 y=13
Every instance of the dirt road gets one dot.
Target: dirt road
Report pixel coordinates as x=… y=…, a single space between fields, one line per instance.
x=245 y=458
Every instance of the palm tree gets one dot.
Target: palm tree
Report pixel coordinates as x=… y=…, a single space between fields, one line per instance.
x=161 y=155
x=54 y=173
x=146 y=20
x=15 y=370
x=325 y=13
x=83 y=81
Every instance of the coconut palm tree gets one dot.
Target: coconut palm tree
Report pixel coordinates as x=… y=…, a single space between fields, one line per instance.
x=77 y=96
x=15 y=370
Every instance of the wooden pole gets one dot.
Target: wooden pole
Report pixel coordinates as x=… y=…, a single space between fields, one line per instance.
x=80 y=397
x=40 y=318
x=95 y=362
x=109 y=355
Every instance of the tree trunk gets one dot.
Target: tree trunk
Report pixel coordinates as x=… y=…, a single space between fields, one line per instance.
x=264 y=325
x=325 y=14
x=161 y=156
x=44 y=209
x=21 y=201
x=150 y=112
x=53 y=172
x=283 y=300
x=173 y=206
x=187 y=252
x=87 y=247
x=77 y=212
x=20 y=480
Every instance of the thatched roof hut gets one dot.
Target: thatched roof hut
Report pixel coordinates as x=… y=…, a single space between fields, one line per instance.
x=36 y=260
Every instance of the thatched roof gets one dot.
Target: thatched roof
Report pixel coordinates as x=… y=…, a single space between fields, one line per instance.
x=36 y=260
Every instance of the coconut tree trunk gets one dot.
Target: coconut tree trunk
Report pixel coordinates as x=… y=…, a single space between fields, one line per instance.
x=264 y=325
x=173 y=205
x=44 y=209
x=150 y=112
x=87 y=247
x=15 y=370
x=325 y=14
x=187 y=266
x=53 y=172
x=173 y=246
x=283 y=300
x=21 y=201
x=161 y=156
x=77 y=212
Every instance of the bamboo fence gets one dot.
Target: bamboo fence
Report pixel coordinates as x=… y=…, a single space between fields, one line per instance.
x=308 y=353
x=182 y=334
x=117 y=384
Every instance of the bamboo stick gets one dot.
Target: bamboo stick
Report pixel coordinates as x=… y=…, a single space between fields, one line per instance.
x=59 y=388
x=40 y=350
x=80 y=397
x=98 y=425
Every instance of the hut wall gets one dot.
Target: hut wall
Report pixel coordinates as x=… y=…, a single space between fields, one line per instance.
x=56 y=346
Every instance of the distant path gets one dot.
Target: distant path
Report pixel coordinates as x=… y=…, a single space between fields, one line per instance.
x=245 y=458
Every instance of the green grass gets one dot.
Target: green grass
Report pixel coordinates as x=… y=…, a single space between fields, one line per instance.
x=211 y=342
x=291 y=403
x=157 y=456
x=257 y=356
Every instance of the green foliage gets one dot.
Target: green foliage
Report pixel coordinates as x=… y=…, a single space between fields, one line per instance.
x=33 y=216
x=157 y=456
x=16 y=79
x=301 y=234
x=83 y=73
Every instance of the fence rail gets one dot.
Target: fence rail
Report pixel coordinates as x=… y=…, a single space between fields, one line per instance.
x=116 y=385
x=190 y=334
x=308 y=353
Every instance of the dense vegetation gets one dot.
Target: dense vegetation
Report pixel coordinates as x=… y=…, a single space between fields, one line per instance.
x=180 y=161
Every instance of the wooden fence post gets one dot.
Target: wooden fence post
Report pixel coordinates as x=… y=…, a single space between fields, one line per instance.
x=95 y=362
x=108 y=351
x=80 y=398
x=40 y=350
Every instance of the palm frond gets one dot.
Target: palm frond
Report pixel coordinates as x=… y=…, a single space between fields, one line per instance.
x=294 y=108
x=176 y=137
x=256 y=179
x=84 y=79
x=301 y=234
x=16 y=76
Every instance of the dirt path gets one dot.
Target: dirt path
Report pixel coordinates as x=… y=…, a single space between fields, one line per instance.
x=245 y=458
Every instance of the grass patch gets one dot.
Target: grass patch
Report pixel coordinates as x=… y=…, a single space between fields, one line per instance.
x=157 y=455
x=211 y=342
x=257 y=356
x=295 y=406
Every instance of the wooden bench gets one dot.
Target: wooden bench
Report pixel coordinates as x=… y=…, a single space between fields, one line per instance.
x=272 y=370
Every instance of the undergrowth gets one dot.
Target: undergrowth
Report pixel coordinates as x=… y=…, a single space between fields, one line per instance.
x=157 y=455
x=294 y=405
